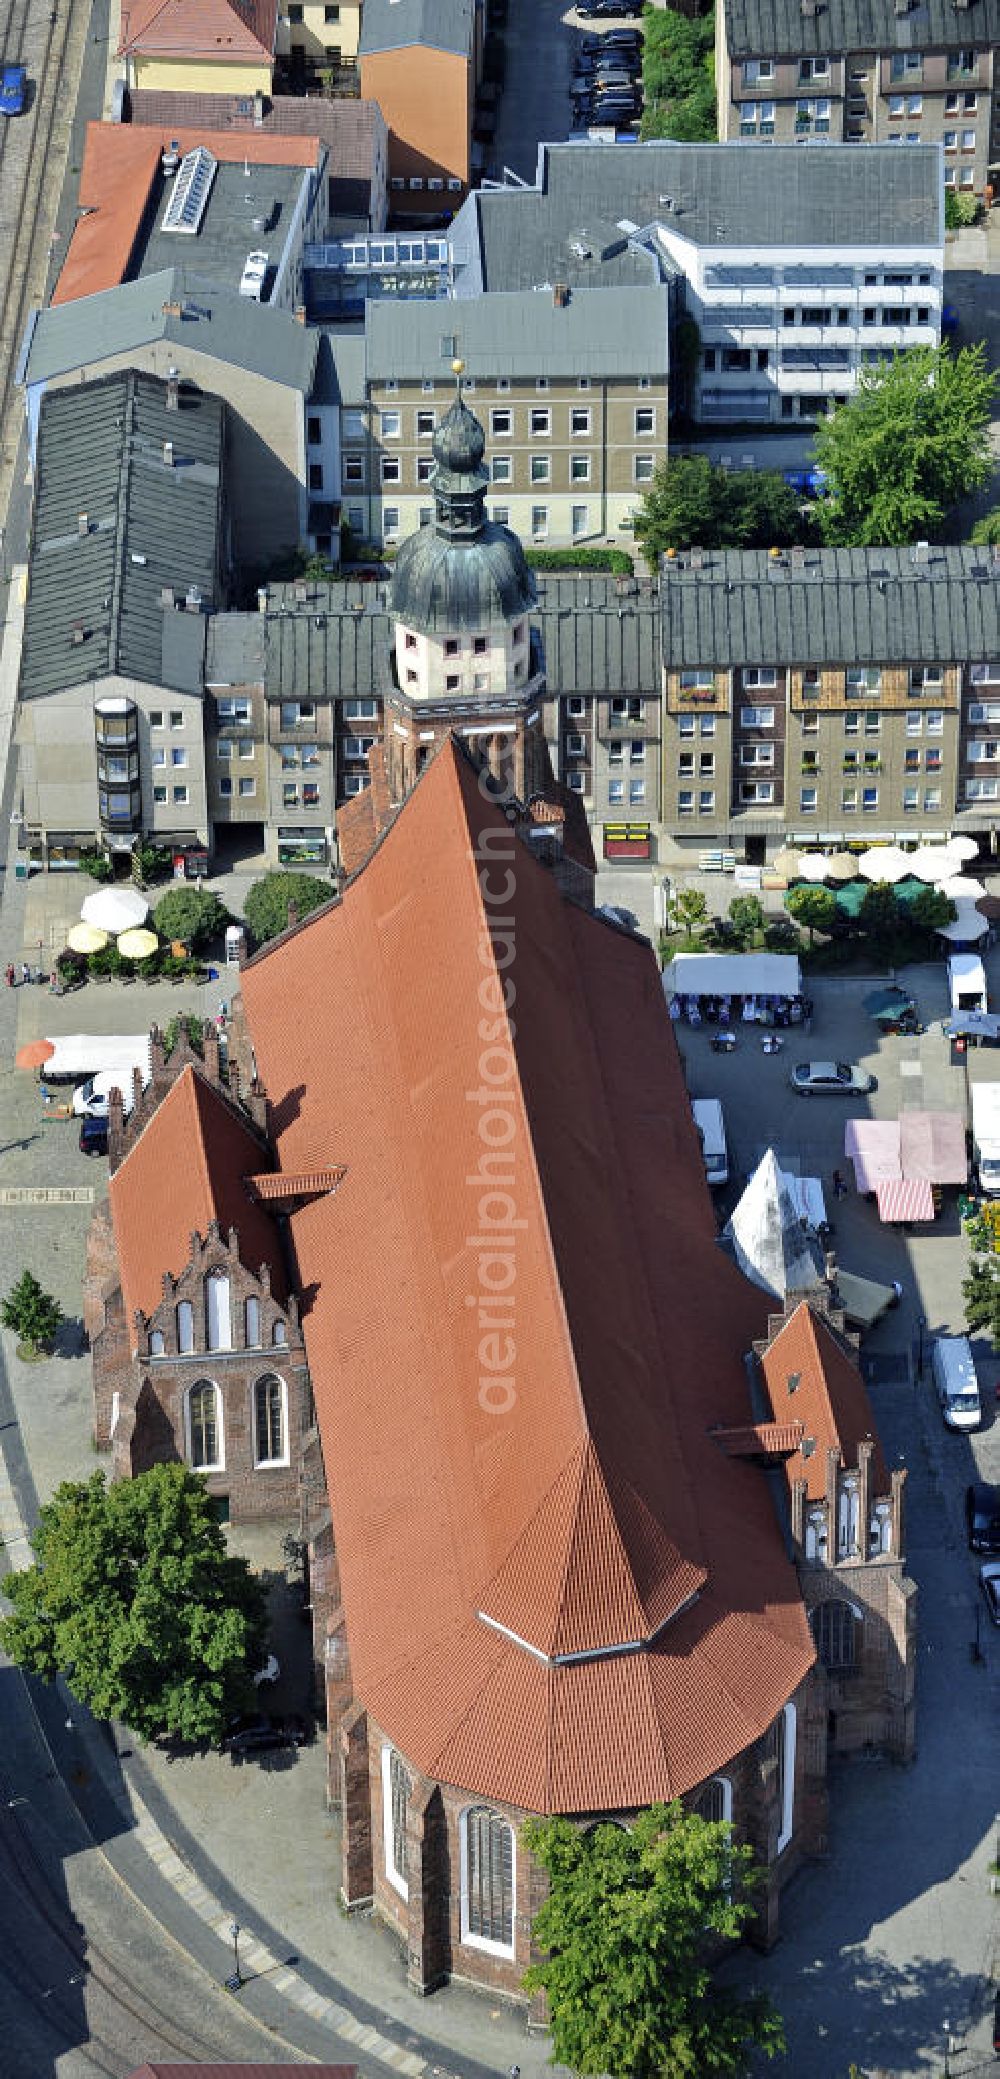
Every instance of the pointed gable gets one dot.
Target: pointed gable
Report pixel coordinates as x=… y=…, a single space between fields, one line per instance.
x=812 y=1378
x=188 y=1167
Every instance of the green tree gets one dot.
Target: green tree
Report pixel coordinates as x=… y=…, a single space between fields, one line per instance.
x=780 y=935
x=931 y=911
x=185 y=1022
x=986 y=532
x=33 y=1314
x=694 y=503
x=191 y=915
x=910 y=442
x=816 y=908
x=678 y=75
x=746 y=914
x=981 y=1289
x=134 y=1597
x=623 y=1930
x=268 y=901
x=880 y=916
x=688 y=910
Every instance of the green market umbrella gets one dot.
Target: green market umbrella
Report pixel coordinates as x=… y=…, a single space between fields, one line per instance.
x=886 y=1003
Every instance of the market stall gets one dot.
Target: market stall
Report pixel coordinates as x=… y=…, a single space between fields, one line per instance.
x=765 y=988
x=932 y=1147
x=872 y=1145
x=904 y=1199
x=905 y=1162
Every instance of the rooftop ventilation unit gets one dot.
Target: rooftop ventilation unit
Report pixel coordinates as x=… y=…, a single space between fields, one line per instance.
x=580 y=247
x=191 y=191
x=170 y=159
x=167 y=600
x=83 y=523
x=168 y=454
x=192 y=599
x=138 y=557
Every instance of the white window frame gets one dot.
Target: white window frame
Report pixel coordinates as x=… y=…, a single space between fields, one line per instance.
x=264 y=1379
x=396 y=1877
x=468 y=1939
x=786 y=1824
x=217 y=1317
x=219 y=1463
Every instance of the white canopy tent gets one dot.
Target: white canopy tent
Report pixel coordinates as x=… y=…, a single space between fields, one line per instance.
x=883 y=863
x=813 y=866
x=969 y=925
x=961 y=887
x=933 y=863
x=732 y=974
x=769 y=1240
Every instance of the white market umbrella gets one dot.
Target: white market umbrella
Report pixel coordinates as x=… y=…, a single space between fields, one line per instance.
x=786 y=862
x=934 y=863
x=883 y=863
x=86 y=938
x=842 y=866
x=961 y=888
x=813 y=866
x=115 y=909
x=963 y=848
x=968 y=926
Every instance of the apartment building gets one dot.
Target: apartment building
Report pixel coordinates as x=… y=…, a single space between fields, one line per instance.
x=201 y=46
x=353 y=131
x=571 y=390
x=798 y=267
x=902 y=72
x=420 y=60
x=842 y=694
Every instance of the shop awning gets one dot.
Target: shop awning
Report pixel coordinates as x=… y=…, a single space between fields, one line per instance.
x=905 y=1198
x=872 y=1145
x=932 y=1147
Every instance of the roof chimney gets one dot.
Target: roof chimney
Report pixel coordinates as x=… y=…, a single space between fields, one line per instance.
x=560 y=295
x=168 y=454
x=262 y=599
x=77 y=633
x=83 y=524
x=258 y=109
x=173 y=389
x=810 y=8
x=299 y=313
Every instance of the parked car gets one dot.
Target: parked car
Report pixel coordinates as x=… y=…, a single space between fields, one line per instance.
x=831 y=1079
x=608 y=10
x=982 y=1516
x=989 y=1582
x=257 y=1733
x=13 y=80
x=93 y=1136
x=613 y=39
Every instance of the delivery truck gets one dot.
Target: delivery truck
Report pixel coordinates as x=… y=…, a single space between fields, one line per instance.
x=986 y=1137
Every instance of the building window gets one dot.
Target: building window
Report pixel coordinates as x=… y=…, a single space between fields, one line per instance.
x=180 y=797
x=279 y=1335
x=540 y=422
x=580 y=521
x=156 y=1342
x=539 y=522
x=247 y=789
x=541 y=469
x=714 y=1802
x=616 y=793
x=270 y=1428
x=251 y=1322
x=218 y=1316
x=487 y=1873
x=833 y=1630
x=637 y=793
x=643 y=467
x=179 y=757
x=645 y=420
x=685 y=802
x=389 y=424
x=390 y=469
x=204 y=1427
x=807 y=800
x=579 y=419
x=425 y=425
x=501 y=469
x=185 y=1327
x=395 y=1799
x=315 y=476
x=579 y=469
x=500 y=422
x=786 y=1729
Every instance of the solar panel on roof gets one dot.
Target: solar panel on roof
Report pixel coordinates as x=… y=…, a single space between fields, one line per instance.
x=192 y=185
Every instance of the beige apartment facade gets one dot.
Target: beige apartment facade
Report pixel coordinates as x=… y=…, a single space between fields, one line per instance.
x=896 y=79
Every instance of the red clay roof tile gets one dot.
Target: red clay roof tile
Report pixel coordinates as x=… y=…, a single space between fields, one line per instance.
x=219 y=29
x=829 y=1398
x=583 y=1504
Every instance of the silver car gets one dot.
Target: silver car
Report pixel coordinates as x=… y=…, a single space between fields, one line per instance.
x=831 y=1079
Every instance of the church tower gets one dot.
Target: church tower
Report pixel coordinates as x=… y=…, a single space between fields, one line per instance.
x=465 y=656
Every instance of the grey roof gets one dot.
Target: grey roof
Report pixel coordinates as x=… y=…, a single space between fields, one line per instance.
x=215 y=255
x=227 y=327
x=235 y=650
x=599 y=637
x=439 y=583
x=723 y=195
x=340 y=370
x=836 y=606
x=521 y=334
x=335 y=645
x=770 y=28
x=596 y=638
x=442 y=25
x=150 y=524
x=349 y=126
x=768 y=1240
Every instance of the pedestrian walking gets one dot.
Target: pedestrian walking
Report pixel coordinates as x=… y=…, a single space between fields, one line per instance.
x=25 y=971
x=839 y=1186
x=9 y=975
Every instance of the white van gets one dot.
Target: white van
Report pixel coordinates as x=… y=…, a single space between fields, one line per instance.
x=967 y=982
x=708 y=1117
x=956 y=1381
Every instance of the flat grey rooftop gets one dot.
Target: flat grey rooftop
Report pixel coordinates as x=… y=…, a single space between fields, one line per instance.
x=521 y=333
x=775 y=28
x=215 y=254
x=443 y=25
x=225 y=326
x=722 y=195
x=95 y=587
x=832 y=606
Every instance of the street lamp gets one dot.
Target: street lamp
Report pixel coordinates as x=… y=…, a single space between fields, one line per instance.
x=236 y=1979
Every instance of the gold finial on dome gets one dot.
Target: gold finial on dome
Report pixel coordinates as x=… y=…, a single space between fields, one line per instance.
x=457 y=366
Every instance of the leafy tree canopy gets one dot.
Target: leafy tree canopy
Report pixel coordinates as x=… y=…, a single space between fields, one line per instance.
x=33 y=1314
x=268 y=901
x=191 y=915
x=678 y=75
x=982 y=1297
x=688 y=909
x=693 y=503
x=986 y=531
x=135 y=1598
x=746 y=914
x=930 y=910
x=816 y=908
x=906 y=446
x=623 y=1934
x=880 y=914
